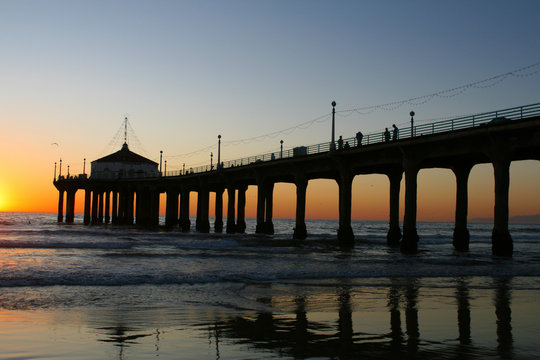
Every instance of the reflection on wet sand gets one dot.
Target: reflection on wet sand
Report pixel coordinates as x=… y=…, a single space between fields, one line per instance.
x=504 y=317
x=119 y=336
x=293 y=335
x=463 y=312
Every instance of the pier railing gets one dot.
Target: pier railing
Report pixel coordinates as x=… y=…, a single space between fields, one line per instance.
x=438 y=127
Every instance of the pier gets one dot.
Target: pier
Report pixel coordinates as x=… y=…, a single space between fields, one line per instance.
x=497 y=137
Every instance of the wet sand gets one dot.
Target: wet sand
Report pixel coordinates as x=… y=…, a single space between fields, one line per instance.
x=465 y=318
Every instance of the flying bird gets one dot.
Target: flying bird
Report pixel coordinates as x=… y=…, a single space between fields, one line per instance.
x=55 y=144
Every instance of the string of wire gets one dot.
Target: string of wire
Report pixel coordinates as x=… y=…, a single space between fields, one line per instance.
x=448 y=93
x=364 y=110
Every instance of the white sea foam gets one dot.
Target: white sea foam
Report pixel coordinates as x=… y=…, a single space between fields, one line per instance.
x=35 y=251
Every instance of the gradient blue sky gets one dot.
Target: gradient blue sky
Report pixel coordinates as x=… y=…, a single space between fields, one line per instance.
x=185 y=71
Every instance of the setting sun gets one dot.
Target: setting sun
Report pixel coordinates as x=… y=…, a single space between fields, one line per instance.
x=3 y=199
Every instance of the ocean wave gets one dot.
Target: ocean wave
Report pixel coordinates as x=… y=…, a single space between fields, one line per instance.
x=16 y=244
x=251 y=273
x=47 y=254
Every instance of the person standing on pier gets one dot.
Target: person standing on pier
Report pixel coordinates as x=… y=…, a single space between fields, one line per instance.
x=359 y=137
x=395 y=135
x=340 y=143
x=386 y=135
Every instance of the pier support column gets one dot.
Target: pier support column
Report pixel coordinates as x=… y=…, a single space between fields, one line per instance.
x=202 y=223
x=345 y=233
x=171 y=211
x=410 y=239
x=122 y=202
x=87 y=204
x=114 y=207
x=107 y=207
x=300 y=231
x=130 y=196
x=268 y=224
x=218 y=222
x=241 y=218
x=100 y=207
x=231 y=224
x=142 y=207
x=184 y=221
x=501 y=241
x=60 y=206
x=260 y=208
x=461 y=233
x=154 y=206
x=394 y=232
x=70 y=206
x=94 y=219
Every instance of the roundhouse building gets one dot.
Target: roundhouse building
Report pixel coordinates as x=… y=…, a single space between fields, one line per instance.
x=123 y=164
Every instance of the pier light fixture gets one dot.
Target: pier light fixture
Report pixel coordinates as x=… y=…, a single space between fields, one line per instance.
x=84 y=166
x=333 y=143
x=160 y=160
x=184 y=169
x=165 y=167
x=412 y=122
x=68 y=172
x=219 y=152
x=281 y=150
x=60 y=169
x=54 y=171
x=211 y=161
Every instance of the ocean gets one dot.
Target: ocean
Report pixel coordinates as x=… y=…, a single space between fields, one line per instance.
x=116 y=292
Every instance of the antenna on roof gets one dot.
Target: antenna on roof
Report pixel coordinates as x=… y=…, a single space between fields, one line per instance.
x=125 y=130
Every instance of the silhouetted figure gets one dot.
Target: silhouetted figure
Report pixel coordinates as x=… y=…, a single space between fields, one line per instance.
x=340 y=143
x=395 y=135
x=359 y=137
x=272 y=157
x=347 y=146
x=386 y=135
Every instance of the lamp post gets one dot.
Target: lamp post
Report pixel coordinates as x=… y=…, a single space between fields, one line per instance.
x=60 y=170
x=160 y=158
x=219 y=151
x=333 y=143
x=84 y=166
x=281 y=151
x=165 y=167
x=184 y=169
x=54 y=171
x=412 y=122
x=68 y=172
x=211 y=161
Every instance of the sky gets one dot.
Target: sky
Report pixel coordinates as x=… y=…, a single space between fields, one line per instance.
x=185 y=71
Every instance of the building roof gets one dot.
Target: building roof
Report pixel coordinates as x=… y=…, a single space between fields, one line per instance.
x=125 y=155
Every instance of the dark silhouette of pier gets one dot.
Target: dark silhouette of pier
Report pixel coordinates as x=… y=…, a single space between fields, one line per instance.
x=497 y=137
